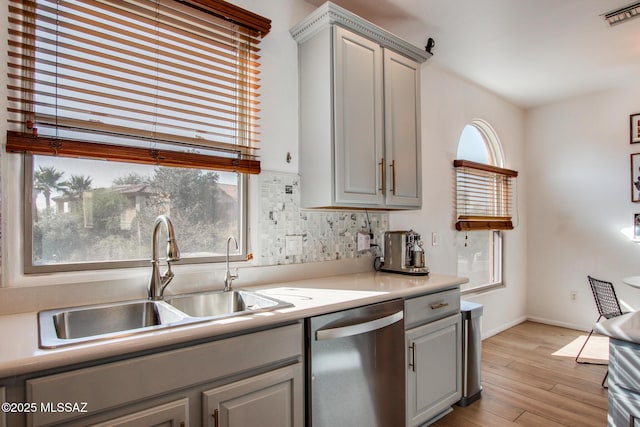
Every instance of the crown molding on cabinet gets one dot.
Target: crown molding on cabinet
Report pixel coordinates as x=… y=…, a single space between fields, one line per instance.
x=329 y=14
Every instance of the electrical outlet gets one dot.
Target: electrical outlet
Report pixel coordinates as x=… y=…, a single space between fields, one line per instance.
x=573 y=295
x=363 y=241
x=434 y=239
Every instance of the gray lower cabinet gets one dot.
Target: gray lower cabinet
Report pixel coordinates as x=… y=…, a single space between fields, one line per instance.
x=624 y=384
x=251 y=379
x=434 y=351
x=172 y=414
x=3 y=398
x=268 y=400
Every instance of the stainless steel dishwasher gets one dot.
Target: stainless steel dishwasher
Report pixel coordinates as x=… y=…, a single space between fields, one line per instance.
x=355 y=367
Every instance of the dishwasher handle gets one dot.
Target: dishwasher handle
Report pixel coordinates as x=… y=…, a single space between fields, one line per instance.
x=359 y=328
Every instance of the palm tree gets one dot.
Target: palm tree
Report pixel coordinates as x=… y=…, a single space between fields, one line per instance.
x=76 y=185
x=73 y=190
x=46 y=181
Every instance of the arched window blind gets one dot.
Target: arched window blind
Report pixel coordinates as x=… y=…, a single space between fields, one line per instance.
x=484 y=196
x=164 y=82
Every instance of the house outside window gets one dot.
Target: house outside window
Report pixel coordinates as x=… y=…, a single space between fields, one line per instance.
x=96 y=213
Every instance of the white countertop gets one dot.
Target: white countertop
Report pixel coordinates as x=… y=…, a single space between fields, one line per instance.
x=624 y=328
x=632 y=281
x=20 y=353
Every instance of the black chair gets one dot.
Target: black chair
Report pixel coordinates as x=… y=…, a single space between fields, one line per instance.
x=608 y=307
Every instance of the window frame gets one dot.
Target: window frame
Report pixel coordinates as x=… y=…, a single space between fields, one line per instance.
x=20 y=239
x=497 y=237
x=27 y=233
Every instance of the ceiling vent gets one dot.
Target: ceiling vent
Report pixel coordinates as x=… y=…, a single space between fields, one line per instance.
x=621 y=15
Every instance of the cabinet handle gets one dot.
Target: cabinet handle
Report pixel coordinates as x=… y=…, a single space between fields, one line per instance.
x=412 y=363
x=393 y=177
x=215 y=417
x=381 y=188
x=439 y=305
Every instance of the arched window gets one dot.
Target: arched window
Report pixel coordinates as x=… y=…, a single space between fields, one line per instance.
x=480 y=251
x=479 y=143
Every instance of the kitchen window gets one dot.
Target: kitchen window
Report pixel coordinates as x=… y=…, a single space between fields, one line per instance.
x=484 y=193
x=125 y=110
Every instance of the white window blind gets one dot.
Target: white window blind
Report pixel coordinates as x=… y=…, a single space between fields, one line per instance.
x=484 y=196
x=159 y=82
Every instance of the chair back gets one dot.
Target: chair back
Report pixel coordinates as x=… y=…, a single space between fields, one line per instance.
x=606 y=299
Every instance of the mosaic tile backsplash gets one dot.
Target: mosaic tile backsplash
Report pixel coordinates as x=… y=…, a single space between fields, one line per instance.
x=291 y=235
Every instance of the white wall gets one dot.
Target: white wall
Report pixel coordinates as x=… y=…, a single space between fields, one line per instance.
x=578 y=201
x=448 y=104
x=279 y=134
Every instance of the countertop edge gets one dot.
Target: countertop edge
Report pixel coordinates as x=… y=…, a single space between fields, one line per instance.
x=623 y=328
x=377 y=286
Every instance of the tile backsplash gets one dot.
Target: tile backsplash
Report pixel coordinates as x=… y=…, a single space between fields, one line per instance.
x=289 y=234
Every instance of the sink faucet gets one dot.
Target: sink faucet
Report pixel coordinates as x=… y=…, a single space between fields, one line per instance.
x=229 y=278
x=158 y=282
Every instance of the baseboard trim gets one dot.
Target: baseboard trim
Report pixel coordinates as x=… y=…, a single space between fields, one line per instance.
x=504 y=327
x=560 y=324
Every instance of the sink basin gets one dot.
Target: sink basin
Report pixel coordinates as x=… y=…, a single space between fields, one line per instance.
x=80 y=324
x=224 y=304
x=90 y=323
x=114 y=318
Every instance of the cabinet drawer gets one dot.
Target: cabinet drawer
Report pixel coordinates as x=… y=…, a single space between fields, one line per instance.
x=428 y=308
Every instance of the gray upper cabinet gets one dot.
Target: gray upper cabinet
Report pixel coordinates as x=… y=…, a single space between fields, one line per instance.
x=359 y=113
x=402 y=130
x=358 y=119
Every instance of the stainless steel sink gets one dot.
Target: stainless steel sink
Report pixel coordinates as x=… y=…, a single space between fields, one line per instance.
x=81 y=324
x=114 y=318
x=99 y=322
x=224 y=304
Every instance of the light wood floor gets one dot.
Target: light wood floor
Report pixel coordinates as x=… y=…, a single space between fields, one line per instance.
x=524 y=384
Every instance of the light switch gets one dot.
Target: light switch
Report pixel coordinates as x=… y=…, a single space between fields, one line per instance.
x=293 y=245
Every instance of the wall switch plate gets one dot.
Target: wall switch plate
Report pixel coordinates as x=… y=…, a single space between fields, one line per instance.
x=434 y=239
x=293 y=245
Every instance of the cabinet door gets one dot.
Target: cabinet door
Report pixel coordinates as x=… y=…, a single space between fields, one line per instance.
x=172 y=414
x=3 y=398
x=402 y=131
x=273 y=399
x=434 y=365
x=358 y=119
